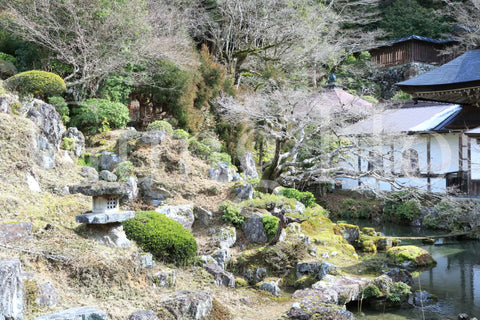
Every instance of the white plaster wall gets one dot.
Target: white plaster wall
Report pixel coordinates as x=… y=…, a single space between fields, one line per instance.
x=444 y=153
x=475 y=152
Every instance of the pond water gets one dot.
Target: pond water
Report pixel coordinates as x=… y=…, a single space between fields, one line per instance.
x=455 y=280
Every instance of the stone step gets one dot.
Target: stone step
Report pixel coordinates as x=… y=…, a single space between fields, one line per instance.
x=104 y=218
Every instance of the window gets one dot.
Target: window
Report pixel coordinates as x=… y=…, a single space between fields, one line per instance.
x=375 y=161
x=410 y=162
x=111 y=203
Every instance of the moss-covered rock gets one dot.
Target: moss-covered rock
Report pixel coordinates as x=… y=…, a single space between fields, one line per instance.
x=410 y=257
x=349 y=232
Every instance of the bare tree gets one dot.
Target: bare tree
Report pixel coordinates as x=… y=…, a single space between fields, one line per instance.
x=466 y=15
x=96 y=38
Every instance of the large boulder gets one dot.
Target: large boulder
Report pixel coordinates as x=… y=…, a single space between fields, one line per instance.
x=152 y=190
x=78 y=139
x=11 y=290
x=316 y=268
x=110 y=234
x=422 y=299
x=400 y=275
x=13 y=232
x=255 y=275
x=203 y=215
x=81 y=313
x=225 y=237
x=336 y=290
x=410 y=257
x=318 y=310
x=222 y=257
x=247 y=163
x=183 y=214
x=153 y=137
x=270 y=286
x=253 y=228
x=244 y=192
x=7 y=69
x=221 y=174
x=189 y=304
x=108 y=176
x=222 y=277
x=50 y=134
x=108 y=161
x=349 y=232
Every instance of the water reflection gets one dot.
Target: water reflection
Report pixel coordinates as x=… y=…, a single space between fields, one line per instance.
x=455 y=280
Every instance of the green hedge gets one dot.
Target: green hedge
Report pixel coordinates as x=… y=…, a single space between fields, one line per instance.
x=161 y=125
x=36 y=82
x=94 y=115
x=307 y=198
x=163 y=237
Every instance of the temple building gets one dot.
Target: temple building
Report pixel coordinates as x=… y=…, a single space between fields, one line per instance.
x=432 y=143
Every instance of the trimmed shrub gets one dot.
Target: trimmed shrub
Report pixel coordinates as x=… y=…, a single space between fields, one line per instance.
x=163 y=237
x=409 y=210
x=371 y=292
x=161 y=125
x=307 y=198
x=7 y=57
x=36 y=82
x=95 y=115
x=62 y=108
x=231 y=213
x=180 y=134
x=270 y=224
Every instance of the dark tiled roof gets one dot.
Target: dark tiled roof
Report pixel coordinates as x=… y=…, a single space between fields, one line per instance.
x=465 y=68
x=414 y=37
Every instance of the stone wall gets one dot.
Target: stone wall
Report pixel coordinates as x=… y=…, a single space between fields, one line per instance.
x=387 y=77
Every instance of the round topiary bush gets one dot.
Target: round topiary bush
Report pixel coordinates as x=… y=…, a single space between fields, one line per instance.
x=36 y=82
x=163 y=237
x=161 y=125
x=94 y=115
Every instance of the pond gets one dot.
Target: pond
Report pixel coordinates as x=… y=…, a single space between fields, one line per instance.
x=455 y=280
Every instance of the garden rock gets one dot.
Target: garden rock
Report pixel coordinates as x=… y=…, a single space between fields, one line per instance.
x=83 y=313
x=11 y=290
x=7 y=69
x=349 y=232
x=189 y=304
x=222 y=277
x=110 y=234
x=225 y=237
x=13 y=232
x=422 y=299
x=47 y=295
x=51 y=128
x=247 y=163
x=255 y=276
x=317 y=268
x=79 y=140
x=146 y=260
x=183 y=214
x=410 y=257
x=310 y=309
x=165 y=278
x=336 y=290
x=143 y=315
x=106 y=175
x=221 y=174
x=222 y=257
x=203 y=215
x=32 y=183
x=90 y=173
x=384 y=243
x=150 y=189
x=253 y=229
x=270 y=286
x=153 y=137
x=244 y=192
x=132 y=188
x=108 y=161
x=400 y=275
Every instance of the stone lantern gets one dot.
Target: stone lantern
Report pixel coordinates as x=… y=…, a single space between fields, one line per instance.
x=103 y=223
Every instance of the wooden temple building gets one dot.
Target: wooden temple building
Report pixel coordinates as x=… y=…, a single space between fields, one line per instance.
x=443 y=123
x=411 y=49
